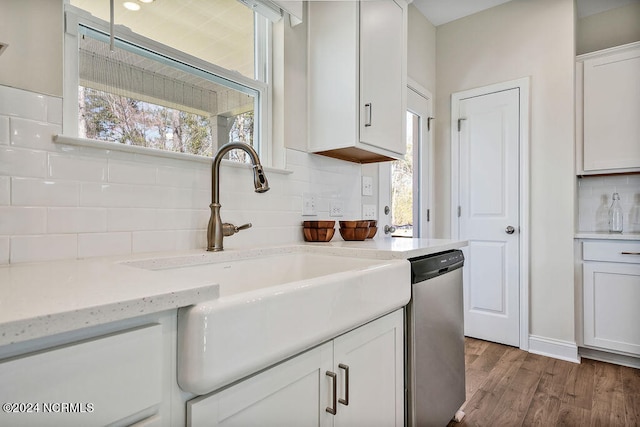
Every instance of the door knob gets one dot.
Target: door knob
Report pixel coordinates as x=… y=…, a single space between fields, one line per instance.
x=389 y=229
x=509 y=230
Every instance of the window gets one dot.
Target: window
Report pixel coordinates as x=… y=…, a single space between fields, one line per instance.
x=183 y=77
x=402 y=183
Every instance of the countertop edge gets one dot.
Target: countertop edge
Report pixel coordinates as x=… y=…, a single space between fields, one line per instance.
x=606 y=236
x=21 y=330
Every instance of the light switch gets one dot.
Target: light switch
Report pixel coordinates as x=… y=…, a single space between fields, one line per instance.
x=367 y=186
x=309 y=202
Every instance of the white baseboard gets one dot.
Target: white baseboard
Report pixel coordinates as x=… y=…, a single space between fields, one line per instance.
x=605 y=356
x=558 y=349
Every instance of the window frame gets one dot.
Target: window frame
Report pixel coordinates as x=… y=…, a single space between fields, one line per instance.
x=75 y=17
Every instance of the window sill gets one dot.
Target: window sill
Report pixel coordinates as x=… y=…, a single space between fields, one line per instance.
x=112 y=146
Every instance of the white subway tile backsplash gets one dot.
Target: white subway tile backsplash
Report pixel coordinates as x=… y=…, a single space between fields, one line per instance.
x=21 y=103
x=64 y=166
x=131 y=219
x=48 y=247
x=76 y=220
x=131 y=173
x=182 y=219
x=152 y=241
x=42 y=192
x=54 y=110
x=22 y=162
x=594 y=199
x=4 y=131
x=32 y=134
x=120 y=195
x=190 y=239
x=5 y=190
x=4 y=250
x=176 y=177
x=62 y=201
x=103 y=244
x=19 y=220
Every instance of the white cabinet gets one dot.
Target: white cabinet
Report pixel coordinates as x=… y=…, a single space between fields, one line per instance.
x=357 y=79
x=93 y=382
x=608 y=108
x=611 y=292
x=359 y=374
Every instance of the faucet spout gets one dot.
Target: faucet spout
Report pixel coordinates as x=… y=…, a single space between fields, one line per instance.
x=215 y=231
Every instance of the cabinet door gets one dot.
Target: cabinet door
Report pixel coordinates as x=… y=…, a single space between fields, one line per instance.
x=611 y=111
x=373 y=355
x=611 y=292
x=382 y=87
x=290 y=394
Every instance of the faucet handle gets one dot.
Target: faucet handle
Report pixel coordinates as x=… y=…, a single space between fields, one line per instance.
x=229 y=229
x=243 y=227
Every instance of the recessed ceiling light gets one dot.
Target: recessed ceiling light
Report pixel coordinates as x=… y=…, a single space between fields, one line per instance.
x=145 y=1
x=131 y=5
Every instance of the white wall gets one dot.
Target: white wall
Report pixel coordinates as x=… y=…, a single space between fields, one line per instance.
x=421 y=48
x=63 y=202
x=608 y=29
x=523 y=38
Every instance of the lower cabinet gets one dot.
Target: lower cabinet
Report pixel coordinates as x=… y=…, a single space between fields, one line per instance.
x=356 y=379
x=611 y=291
x=105 y=380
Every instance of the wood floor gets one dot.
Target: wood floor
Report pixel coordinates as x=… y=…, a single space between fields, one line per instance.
x=509 y=387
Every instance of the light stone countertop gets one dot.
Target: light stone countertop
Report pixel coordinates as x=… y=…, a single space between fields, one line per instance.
x=47 y=298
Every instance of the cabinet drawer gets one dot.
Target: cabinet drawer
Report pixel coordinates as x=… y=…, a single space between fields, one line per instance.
x=92 y=383
x=612 y=251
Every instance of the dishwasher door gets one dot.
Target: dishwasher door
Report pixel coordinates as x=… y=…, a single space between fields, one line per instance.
x=435 y=343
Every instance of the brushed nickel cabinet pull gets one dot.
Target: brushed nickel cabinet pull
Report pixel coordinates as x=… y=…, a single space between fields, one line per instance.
x=369 y=109
x=630 y=253
x=345 y=401
x=332 y=409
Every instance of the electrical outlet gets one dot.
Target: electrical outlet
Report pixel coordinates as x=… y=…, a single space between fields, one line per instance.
x=309 y=203
x=368 y=211
x=367 y=186
x=336 y=208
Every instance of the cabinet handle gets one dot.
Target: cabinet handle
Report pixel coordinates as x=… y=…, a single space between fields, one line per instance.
x=332 y=409
x=345 y=401
x=630 y=253
x=369 y=109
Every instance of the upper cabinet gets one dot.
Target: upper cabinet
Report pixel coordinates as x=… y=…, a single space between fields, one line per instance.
x=608 y=111
x=357 y=79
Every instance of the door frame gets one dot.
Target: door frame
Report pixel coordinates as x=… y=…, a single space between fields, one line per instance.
x=384 y=169
x=523 y=85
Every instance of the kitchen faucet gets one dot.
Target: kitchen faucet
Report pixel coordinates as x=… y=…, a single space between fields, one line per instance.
x=217 y=229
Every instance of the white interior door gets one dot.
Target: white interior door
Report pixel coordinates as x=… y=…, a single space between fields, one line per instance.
x=488 y=130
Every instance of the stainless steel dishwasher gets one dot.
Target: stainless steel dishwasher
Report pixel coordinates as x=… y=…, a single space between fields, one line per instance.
x=435 y=375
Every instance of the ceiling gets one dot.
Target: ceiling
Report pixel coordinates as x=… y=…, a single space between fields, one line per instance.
x=440 y=12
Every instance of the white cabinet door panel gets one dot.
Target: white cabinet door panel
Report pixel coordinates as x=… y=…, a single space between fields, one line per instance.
x=612 y=111
x=292 y=393
x=105 y=379
x=611 y=294
x=374 y=356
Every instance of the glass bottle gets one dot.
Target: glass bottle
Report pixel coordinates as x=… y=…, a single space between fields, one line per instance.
x=615 y=215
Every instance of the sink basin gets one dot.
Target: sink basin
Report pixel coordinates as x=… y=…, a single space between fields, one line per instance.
x=274 y=307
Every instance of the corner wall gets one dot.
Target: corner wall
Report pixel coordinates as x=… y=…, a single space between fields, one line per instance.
x=608 y=29
x=517 y=39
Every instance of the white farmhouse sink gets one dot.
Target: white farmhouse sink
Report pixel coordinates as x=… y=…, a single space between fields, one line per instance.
x=273 y=307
